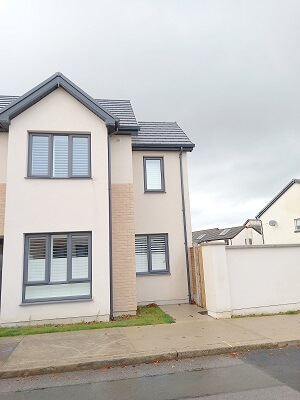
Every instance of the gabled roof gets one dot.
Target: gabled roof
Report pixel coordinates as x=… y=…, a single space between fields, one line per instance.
x=119 y=109
x=161 y=135
x=214 y=234
x=117 y=114
x=22 y=103
x=291 y=183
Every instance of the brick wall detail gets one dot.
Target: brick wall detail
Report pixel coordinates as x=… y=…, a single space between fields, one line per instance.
x=123 y=248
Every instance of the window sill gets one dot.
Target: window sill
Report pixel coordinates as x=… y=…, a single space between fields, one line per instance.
x=57 y=178
x=153 y=273
x=54 y=302
x=297 y=231
x=155 y=191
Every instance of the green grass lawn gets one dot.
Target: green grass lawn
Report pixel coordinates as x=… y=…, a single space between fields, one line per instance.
x=267 y=315
x=147 y=315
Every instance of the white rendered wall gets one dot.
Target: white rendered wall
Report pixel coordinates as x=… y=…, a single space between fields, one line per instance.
x=245 y=280
x=55 y=205
x=283 y=211
x=247 y=233
x=162 y=213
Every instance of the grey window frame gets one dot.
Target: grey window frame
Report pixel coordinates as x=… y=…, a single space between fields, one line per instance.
x=149 y=255
x=162 y=172
x=46 y=281
x=50 y=155
x=295 y=225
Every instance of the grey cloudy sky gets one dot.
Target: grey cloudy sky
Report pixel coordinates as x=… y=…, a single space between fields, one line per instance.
x=228 y=71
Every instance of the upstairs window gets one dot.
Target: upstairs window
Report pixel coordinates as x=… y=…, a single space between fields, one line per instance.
x=151 y=254
x=154 y=174
x=297 y=224
x=59 y=156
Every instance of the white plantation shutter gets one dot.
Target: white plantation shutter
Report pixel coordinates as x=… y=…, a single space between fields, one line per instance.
x=80 y=256
x=36 y=259
x=141 y=254
x=158 y=252
x=153 y=175
x=59 y=258
x=39 y=155
x=60 y=156
x=53 y=291
x=80 y=156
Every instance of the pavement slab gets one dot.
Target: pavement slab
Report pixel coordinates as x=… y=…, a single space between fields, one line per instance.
x=192 y=335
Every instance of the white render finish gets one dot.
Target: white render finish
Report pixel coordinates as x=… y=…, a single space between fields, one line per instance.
x=55 y=205
x=246 y=234
x=244 y=280
x=284 y=211
x=162 y=213
x=3 y=156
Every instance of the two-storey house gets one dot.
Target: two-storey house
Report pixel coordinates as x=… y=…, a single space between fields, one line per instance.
x=94 y=207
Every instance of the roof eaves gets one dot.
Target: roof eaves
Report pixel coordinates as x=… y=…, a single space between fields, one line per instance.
x=162 y=146
x=46 y=87
x=291 y=183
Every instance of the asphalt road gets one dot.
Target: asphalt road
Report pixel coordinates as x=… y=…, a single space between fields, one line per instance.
x=262 y=374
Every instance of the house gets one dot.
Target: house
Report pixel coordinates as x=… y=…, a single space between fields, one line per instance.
x=281 y=216
x=94 y=207
x=247 y=234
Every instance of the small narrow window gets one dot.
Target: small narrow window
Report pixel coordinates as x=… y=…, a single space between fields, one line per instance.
x=57 y=267
x=297 y=224
x=39 y=155
x=151 y=252
x=80 y=156
x=154 y=175
x=60 y=156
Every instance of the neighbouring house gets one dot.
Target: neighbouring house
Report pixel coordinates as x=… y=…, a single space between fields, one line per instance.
x=94 y=207
x=280 y=218
x=247 y=234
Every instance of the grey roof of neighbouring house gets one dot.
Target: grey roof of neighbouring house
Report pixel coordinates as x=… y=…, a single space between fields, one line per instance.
x=214 y=234
x=145 y=135
x=291 y=183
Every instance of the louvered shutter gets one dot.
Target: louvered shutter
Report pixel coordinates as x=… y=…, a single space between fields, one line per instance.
x=36 y=259
x=60 y=156
x=80 y=256
x=39 y=155
x=57 y=291
x=59 y=258
x=158 y=253
x=141 y=254
x=80 y=156
x=153 y=175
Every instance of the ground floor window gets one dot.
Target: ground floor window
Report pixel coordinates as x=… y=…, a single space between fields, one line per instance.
x=151 y=254
x=57 y=266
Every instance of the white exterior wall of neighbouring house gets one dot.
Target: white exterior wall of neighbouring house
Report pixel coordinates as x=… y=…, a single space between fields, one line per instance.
x=251 y=279
x=55 y=205
x=284 y=211
x=162 y=213
x=246 y=234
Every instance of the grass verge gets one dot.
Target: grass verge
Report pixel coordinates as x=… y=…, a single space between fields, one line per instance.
x=266 y=315
x=147 y=315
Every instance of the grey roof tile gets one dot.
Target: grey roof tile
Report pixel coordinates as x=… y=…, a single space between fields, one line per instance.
x=120 y=109
x=214 y=234
x=161 y=134
x=151 y=135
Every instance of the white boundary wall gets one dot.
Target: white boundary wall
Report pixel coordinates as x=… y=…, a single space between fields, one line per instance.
x=243 y=280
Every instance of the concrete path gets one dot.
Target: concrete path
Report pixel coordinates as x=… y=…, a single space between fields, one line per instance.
x=192 y=335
